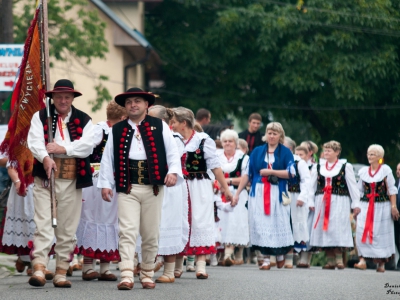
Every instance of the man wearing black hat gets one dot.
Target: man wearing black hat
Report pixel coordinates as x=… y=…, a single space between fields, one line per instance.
x=140 y=157
x=72 y=144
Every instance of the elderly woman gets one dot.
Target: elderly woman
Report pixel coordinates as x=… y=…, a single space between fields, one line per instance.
x=269 y=218
x=234 y=224
x=375 y=232
x=199 y=156
x=333 y=188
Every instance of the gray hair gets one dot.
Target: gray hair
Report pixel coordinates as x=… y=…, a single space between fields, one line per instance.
x=161 y=112
x=290 y=143
x=229 y=134
x=378 y=149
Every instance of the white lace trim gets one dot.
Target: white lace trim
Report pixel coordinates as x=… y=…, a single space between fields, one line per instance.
x=97 y=236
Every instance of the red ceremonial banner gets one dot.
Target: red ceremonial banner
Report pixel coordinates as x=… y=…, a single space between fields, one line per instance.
x=27 y=99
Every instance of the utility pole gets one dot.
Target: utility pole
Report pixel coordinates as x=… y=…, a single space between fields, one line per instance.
x=6 y=37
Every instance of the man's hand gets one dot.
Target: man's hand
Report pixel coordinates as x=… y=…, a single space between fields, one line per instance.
x=55 y=148
x=312 y=208
x=171 y=179
x=107 y=194
x=299 y=203
x=48 y=165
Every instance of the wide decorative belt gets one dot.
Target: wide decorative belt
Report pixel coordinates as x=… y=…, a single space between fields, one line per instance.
x=196 y=175
x=66 y=168
x=138 y=172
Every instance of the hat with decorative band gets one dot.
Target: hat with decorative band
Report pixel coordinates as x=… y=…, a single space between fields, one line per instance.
x=63 y=86
x=135 y=92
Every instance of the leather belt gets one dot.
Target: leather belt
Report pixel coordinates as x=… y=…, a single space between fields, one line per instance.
x=138 y=172
x=66 y=168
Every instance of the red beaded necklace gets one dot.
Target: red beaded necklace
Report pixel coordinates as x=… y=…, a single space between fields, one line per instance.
x=187 y=142
x=370 y=170
x=331 y=168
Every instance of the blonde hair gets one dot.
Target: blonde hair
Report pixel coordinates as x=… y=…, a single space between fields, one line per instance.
x=161 y=112
x=301 y=148
x=378 y=149
x=115 y=111
x=184 y=114
x=335 y=146
x=243 y=144
x=229 y=134
x=277 y=127
x=197 y=127
x=310 y=145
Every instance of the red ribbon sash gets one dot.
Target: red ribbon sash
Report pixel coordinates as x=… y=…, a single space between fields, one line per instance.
x=327 y=199
x=267 y=196
x=369 y=221
x=223 y=194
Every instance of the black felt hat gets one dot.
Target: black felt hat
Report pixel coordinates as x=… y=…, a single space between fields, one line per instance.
x=135 y=92
x=63 y=86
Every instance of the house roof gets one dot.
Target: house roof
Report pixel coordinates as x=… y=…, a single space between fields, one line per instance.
x=133 y=33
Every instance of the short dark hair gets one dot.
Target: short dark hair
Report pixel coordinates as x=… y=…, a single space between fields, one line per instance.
x=255 y=116
x=202 y=113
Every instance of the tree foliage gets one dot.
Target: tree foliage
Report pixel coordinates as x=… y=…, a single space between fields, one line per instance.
x=74 y=30
x=331 y=64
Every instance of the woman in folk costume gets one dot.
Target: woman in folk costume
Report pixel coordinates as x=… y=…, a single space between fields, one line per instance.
x=298 y=189
x=308 y=153
x=269 y=212
x=174 y=226
x=234 y=223
x=97 y=232
x=375 y=229
x=199 y=156
x=19 y=226
x=333 y=191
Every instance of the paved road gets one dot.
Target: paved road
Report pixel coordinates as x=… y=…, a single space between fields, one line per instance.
x=236 y=282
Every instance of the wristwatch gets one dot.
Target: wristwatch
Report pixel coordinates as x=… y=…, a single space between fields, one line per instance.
x=230 y=181
x=16 y=181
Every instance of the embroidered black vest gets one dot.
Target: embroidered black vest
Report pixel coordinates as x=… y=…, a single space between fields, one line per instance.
x=380 y=189
x=238 y=170
x=195 y=164
x=77 y=122
x=339 y=185
x=294 y=184
x=151 y=130
x=97 y=154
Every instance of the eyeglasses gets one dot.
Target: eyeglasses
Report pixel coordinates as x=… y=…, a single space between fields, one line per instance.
x=371 y=154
